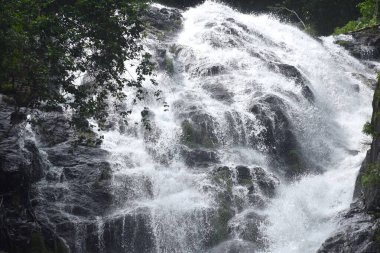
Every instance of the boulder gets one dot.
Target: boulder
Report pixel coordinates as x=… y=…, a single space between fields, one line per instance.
x=278 y=136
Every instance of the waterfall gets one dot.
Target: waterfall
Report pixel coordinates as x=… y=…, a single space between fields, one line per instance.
x=256 y=91
x=254 y=143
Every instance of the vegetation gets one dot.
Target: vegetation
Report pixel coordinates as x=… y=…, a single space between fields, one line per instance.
x=371 y=175
x=369 y=10
x=368 y=129
x=47 y=44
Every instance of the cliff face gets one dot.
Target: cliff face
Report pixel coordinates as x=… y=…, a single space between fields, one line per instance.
x=21 y=165
x=360 y=227
x=364 y=44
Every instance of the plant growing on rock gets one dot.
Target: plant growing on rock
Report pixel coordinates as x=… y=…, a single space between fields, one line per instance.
x=368 y=129
x=371 y=175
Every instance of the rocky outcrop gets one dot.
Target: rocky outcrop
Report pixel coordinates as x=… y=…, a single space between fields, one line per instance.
x=237 y=189
x=363 y=44
x=21 y=165
x=359 y=229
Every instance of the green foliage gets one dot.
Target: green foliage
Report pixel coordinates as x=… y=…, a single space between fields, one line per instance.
x=368 y=129
x=46 y=44
x=371 y=175
x=369 y=17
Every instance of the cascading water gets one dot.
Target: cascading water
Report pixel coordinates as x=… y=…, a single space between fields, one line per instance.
x=255 y=147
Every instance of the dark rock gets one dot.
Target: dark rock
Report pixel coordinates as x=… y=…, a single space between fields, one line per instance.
x=358 y=232
x=200 y=70
x=243 y=174
x=278 y=135
x=125 y=233
x=293 y=73
x=368 y=182
x=198 y=130
x=18 y=117
x=199 y=158
x=266 y=182
x=163 y=22
x=218 y=92
x=365 y=43
x=52 y=128
x=21 y=165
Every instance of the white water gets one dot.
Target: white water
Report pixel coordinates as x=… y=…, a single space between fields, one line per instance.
x=151 y=176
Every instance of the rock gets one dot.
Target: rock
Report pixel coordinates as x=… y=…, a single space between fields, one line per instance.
x=237 y=190
x=235 y=246
x=368 y=182
x=363 y=44
x=52 y=128
x=243 y=175
x=292 y=72
x=278 y=136
x=358 y=232
x=199 y=158
x=198 y=131
x=205 y=69
x=21 y=165
x=218 y=92
x=163 y=22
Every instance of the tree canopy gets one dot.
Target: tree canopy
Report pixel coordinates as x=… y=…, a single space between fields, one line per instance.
x=46 y=44
x=369 y=10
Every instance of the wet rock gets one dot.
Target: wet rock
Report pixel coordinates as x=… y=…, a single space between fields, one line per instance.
x=293 y=73
x=205 y=69
x=199 y=158
x=278 y=135
x=238 y=189
x=250 y=229
x=218 y=92
x=163 y=22
x=125 y=233
x=17 y=117
x=243 y=175
x=198 y=131
x=235 y=246
x=363 y=44
x=358 y=232
x=266 y=182
x=52 y=128
x=21 y=165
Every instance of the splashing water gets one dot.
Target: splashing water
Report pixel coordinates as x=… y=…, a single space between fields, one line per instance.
x=225 y=63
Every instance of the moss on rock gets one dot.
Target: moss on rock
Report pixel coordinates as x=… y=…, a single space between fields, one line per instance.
x=193 y=137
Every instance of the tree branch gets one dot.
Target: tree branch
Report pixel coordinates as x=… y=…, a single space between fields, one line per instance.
x=293 y=12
